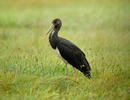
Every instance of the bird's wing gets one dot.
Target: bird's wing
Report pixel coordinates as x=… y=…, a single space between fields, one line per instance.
x=74 y=56
x=70 y=52
x=70 y=45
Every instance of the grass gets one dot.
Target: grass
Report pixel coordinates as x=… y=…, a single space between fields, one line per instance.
x=30 y=69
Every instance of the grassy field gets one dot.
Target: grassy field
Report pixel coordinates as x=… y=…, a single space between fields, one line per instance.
x=30 y=69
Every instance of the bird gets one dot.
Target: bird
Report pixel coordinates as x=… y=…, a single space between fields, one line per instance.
x=67 y=51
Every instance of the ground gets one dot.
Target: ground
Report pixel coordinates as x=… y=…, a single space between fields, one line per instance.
x=30 y=69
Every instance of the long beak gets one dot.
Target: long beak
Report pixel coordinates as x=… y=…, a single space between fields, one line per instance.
x=51 y=28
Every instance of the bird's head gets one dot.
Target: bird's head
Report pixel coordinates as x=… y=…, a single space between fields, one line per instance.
x=56 y=24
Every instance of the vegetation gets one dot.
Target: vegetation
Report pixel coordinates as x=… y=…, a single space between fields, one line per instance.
x=30 y=69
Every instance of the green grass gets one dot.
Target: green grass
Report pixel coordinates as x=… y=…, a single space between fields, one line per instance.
x=30 y=69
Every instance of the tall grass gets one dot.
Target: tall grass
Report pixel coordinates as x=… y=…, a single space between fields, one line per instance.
x=30 y=69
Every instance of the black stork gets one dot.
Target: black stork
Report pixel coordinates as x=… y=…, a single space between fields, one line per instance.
x=67 y=51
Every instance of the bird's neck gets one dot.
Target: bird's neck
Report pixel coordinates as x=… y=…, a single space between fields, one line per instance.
x=54 y=39
x=54 y=32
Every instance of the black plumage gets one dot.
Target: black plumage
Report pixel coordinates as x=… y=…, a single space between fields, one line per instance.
x=68 y=51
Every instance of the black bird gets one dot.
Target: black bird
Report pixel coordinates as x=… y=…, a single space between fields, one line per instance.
x=68 y=51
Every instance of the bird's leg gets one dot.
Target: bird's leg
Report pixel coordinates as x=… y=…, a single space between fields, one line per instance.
x=74 y=70
x=66 y=70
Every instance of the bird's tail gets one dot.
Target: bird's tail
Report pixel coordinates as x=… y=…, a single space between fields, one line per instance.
x=87 y=74
x=86 y=68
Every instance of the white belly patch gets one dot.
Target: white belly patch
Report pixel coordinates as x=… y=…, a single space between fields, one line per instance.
x=59 y=55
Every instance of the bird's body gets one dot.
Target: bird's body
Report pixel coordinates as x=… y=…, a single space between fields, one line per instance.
x=59 y=55
x=68 y=51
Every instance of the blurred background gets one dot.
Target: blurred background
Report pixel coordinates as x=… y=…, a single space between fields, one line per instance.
x=29 y=67
x=85 y=14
